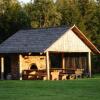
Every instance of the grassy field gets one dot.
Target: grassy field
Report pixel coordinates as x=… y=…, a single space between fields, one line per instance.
x=85 y=89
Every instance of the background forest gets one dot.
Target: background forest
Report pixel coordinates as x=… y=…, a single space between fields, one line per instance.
x=46 y=13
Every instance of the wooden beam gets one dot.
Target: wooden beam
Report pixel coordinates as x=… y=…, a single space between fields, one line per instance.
x=48 y=65
x=2 y=68
x=89 y=63
x=20 y=67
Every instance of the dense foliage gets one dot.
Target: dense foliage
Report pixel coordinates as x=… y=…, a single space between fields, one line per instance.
x=47 y=13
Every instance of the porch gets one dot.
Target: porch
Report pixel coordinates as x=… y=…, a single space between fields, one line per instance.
x=62 y=66
x=55 y=66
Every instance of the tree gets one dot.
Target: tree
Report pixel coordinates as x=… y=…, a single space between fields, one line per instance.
x=43 y=13
x=70 y=13
x=12 y=18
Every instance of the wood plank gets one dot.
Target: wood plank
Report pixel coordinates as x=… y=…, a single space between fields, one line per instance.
x=48 y=65
x=20 y=67
x=63 y=61
x=2 y=68
x=89 y=63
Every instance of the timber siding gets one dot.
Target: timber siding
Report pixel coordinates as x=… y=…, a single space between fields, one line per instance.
x=69 y=42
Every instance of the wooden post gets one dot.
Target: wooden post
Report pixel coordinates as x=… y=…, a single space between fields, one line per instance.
x=20 y=67
x=48 y=65
x=63 y=61
x=2 y=68
x=89 y=63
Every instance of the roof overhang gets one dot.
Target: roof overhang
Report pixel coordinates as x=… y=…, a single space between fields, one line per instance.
x=85 y=39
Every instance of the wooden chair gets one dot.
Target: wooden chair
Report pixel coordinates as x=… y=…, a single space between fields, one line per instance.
x=55 y=75
x=72 y=76
x=79 y=73
x=64 y=76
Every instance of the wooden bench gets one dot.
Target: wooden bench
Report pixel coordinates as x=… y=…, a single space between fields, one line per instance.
x=34 y=74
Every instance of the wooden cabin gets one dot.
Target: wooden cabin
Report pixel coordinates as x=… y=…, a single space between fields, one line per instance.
x=48 y=54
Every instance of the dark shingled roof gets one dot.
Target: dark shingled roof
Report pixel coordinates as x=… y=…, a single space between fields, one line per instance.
x=33 y=40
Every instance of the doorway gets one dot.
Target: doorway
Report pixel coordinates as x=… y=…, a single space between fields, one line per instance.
x=56 y=60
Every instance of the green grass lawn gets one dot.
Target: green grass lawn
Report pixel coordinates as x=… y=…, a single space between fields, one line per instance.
x=85 y=89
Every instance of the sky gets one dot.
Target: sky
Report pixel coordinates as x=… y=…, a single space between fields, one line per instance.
x=24 y=1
